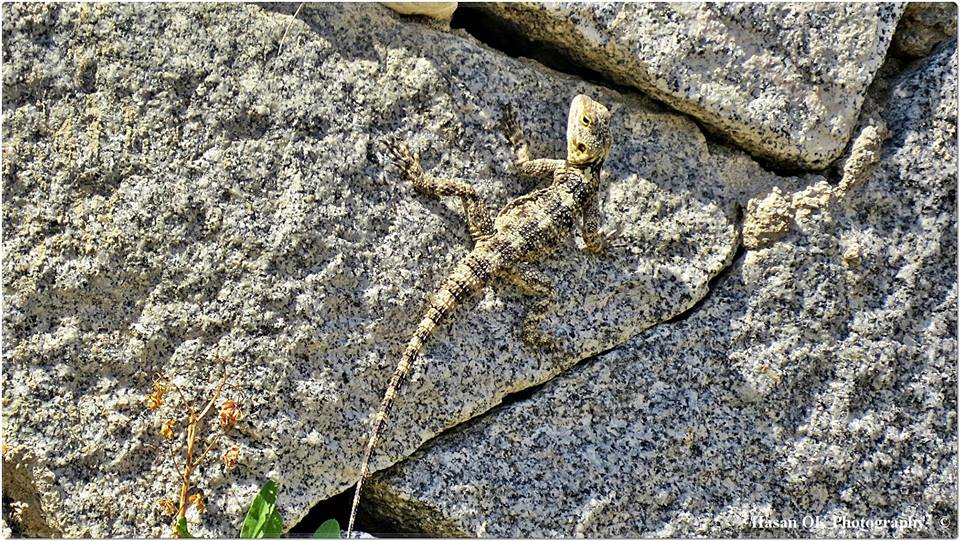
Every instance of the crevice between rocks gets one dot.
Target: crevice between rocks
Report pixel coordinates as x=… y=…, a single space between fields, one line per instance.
x=509 y=40
x=504 y=37
x=338 y=506
x=528 y=392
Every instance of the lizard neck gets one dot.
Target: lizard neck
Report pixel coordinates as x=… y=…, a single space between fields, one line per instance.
x=588 y=169
x=586 y=179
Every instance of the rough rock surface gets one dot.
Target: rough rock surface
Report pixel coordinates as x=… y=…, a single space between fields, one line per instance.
x=783 y=80
x=769 y=216
x=813 y=393
x=923 y=25
x=178 y=188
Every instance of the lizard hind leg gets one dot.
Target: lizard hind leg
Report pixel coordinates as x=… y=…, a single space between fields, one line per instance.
x=479 y=220
x=531 y=281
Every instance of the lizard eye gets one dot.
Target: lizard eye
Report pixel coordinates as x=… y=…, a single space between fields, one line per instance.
x=585 y=121
x=582 y=147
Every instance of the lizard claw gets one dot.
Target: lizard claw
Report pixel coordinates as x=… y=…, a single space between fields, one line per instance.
x=533 y=336
x=510 y=123
x=599 y=242
x=408 y=163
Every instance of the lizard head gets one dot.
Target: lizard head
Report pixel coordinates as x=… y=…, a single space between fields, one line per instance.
x=588 y=131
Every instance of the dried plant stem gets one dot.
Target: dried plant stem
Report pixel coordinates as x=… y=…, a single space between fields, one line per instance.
x=193 y=429
x=187 y=470
x=284 y=36
x=207 y=450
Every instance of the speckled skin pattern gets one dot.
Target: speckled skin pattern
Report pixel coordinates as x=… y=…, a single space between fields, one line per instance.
x=527 y=229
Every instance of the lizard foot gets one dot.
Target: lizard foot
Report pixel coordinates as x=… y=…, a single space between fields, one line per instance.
x=407 y=162
x=532 y=334
x=510 y=123
x=601 y=241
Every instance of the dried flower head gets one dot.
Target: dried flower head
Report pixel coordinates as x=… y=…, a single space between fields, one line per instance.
x=196 y=500
x=167 y=507
x=230 y=414
x=155 y=399
x=231 y=457
x=167 y=429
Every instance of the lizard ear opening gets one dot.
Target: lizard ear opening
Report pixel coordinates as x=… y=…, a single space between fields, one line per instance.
x=581 y=147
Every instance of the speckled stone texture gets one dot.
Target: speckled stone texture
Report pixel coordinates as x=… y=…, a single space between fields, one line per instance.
x=813 y=393
x=179 y=188
x=923 y=25
x=785 y=81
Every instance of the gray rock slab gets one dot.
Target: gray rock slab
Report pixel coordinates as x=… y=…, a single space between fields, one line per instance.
x=189 y=183
x=784 y=80
x=812 y=393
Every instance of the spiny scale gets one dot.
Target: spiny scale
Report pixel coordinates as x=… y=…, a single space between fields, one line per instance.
x=525 y=231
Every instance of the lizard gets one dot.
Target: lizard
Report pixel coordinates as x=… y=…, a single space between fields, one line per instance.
x=526 y=230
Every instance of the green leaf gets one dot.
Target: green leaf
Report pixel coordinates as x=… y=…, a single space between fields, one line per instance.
x=181 y=528
x=330 y=529
x=262 y=519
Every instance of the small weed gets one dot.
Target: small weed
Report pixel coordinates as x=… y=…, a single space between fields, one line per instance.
x=330 y=529
x=263 y=520
x=191 y=441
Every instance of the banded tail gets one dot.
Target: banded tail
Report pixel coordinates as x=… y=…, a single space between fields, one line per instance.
x=469 y=276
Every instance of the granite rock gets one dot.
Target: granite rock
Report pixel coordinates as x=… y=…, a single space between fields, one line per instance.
x=769 y=216
x=179 y=189
x=923 y=25
x=812 y=393
x=785 y=81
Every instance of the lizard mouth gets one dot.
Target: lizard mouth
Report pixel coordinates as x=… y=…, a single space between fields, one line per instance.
x=587 y=160
x=581 y=157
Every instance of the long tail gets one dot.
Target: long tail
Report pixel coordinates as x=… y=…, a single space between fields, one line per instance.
x=469 y=276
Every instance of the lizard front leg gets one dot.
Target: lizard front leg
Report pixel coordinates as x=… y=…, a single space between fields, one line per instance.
x=596 y=240
x=479 y=221
x=531 y=281
x=539 y=168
